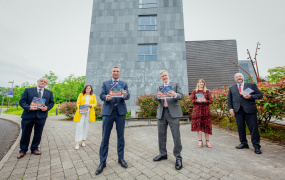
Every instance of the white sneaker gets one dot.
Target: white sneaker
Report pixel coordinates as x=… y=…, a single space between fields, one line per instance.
x=76 y=145
x=83 y=143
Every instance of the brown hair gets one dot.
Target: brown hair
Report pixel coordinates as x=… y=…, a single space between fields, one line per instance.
x=204 y=89
x=84 y=89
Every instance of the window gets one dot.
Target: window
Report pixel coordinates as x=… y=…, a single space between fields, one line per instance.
x=147 y=4
x=147 y=23
x=147 y=52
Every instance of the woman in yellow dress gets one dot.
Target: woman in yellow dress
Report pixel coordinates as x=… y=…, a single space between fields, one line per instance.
x=86 y=97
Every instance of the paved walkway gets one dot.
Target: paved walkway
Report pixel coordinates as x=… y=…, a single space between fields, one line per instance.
x=61 y=161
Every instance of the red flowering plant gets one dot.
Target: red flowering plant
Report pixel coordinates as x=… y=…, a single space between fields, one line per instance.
x=98 y=109
x=220 y=102
x=147 y=104
x=186 y=105
x=273 y=102
x=68 y=109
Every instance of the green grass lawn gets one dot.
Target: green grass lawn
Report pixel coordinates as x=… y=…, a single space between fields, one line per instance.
x=19 y=111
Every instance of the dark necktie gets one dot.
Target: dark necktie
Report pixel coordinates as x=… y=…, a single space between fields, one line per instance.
x=115 y=82
x=40 y=93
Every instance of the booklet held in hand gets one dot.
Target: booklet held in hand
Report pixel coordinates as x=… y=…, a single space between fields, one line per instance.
x=201 y=97
x=83 y=109
x=38 y=102
x=117 y=90
x=164 y=90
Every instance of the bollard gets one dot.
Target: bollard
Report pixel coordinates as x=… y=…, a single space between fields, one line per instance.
x=56 y=111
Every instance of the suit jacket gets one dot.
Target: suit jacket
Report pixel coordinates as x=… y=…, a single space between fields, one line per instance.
x=108 y=106
x=235 y=99
x=27 y=98
x=173 y=103
x=81 y=101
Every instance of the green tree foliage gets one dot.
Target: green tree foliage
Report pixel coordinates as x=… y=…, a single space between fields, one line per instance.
x=51 y=77
x=276 y=74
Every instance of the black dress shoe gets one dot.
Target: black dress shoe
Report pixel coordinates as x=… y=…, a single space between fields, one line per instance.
x=123 y=163
x=159 y=158
x=242 y=146
x=178 y=164
x=100 y=168
x=257 y=151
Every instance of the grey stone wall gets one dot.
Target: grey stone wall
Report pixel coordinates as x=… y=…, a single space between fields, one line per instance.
x=209 y=60
x=114 y=39
x=246 y=65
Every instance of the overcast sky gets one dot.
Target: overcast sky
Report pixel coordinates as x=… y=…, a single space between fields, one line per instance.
x=37 y=36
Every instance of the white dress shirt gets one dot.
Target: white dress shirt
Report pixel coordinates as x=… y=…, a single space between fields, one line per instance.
x=42 y=91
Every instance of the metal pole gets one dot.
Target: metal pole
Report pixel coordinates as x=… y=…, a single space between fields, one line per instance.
x=2 y=104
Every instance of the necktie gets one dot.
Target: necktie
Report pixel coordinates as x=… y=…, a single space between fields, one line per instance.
x=115 y=82
x=40 y=93
x=165 y=102
x=239 y=88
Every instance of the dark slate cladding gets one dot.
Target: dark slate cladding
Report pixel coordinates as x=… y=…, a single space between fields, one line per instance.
x=209 y=60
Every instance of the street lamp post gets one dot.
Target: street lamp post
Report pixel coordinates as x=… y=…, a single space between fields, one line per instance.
x=9 y=97
x=3 y=93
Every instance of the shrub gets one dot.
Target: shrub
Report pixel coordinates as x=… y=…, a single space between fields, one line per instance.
x=186 y=105
x=147 y=105
x=98 y=109
x=68 y=109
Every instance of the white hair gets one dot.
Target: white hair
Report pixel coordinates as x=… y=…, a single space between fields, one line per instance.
x=163 y=71
x=238 y=74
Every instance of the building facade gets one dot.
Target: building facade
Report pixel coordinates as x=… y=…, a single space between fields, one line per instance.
x=246 y=65
x=142 y=37
x=209 y=60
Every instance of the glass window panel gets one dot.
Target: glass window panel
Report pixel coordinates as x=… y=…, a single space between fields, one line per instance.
x=154 y=49
x=144 y=20
x=153 y=20
x=144 y=49
x=141 y=58
x=150 y=57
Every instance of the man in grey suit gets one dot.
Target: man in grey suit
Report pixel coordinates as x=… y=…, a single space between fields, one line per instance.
x=168 y=112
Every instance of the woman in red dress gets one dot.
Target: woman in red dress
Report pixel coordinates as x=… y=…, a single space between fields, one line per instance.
x=201 y=116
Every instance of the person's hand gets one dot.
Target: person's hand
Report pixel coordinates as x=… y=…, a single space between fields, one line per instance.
x=159 y=94
x=43 y=108
x=109 y=97
x=172 y=93
x=247 y=96
x=124 y=93
x=232 y=112
x=88 y=105
x=33 y=108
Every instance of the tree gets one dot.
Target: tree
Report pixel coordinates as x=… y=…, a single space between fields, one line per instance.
x=70 y=88
x=276 y=74
x=51 y=79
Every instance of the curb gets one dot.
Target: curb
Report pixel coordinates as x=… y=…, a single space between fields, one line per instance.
x=13 y=147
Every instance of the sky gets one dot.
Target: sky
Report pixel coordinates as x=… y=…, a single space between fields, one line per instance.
x=51 y=35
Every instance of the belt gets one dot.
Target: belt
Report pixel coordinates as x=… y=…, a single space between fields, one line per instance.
x=166 y=108
x=115 y=106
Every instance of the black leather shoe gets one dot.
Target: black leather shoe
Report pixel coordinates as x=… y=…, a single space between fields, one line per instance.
x=257 y=151
x=100 y=168
x=242 y=146
x=178 y=164
x=123 y=163
x=159 y=158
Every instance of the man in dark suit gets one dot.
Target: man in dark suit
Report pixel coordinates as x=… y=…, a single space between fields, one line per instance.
x=34 y=117
x=244 y=109
x=113 y=110
x=168 y=112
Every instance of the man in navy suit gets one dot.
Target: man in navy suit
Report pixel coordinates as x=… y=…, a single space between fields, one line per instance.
x=244 y=109
x=113 y=110
x=34 y=117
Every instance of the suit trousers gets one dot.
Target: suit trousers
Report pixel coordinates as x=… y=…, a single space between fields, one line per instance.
x=162 y=133
x=107 y=127
x=82 y=127
x=27 y=127
x=251 y=121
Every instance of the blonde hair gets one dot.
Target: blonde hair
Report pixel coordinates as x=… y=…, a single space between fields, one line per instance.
x=205 y=88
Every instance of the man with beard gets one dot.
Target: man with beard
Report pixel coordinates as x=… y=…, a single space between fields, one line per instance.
x=242 y=105
x=34 y=117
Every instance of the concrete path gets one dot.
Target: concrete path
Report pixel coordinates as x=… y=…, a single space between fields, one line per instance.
x=61 y=161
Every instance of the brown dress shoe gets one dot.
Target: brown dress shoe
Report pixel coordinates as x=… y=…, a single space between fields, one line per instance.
x=22 y=154
x=36 y=152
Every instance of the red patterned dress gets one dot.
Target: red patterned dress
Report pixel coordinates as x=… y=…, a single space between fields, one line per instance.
x=201 y=115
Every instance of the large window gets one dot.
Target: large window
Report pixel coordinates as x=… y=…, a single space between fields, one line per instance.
x=147 y=52
x=147 y=4
x=147 y=23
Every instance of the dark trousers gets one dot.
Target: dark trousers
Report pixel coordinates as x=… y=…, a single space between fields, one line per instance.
x=251 y=121
x=107 y=127
x=27 y=127
x=162 y=133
